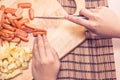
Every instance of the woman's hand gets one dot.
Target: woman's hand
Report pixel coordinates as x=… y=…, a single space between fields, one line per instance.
x=45 y=61
x=101 y=21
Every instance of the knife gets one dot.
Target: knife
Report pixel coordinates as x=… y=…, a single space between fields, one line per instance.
x=58 y=17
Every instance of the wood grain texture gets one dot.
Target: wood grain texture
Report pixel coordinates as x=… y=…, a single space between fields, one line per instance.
x=62 y=34
x=58 y=30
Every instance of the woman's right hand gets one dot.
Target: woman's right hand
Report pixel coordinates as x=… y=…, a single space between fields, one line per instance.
x=102 y=21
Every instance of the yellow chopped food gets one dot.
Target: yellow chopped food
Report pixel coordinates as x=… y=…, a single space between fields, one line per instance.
x=13 y=60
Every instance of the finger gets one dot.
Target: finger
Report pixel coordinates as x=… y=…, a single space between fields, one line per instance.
x=87 y=13
x=35 y=50
x=47 y=47
x=78 y=20
x=33 y=69
x=33 y=63
x=41 y=47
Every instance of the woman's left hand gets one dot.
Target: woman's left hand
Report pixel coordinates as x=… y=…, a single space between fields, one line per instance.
x=45 y=61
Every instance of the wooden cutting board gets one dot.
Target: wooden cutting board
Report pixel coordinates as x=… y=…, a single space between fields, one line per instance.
x=62 y=34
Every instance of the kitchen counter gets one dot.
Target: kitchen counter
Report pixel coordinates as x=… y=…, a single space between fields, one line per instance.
x=114 y=4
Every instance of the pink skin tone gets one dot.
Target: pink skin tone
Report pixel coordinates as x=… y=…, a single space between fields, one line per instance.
x=102 y=21
x=45 y=61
